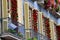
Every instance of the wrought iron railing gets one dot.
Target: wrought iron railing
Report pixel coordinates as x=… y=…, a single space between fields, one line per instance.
x=41 y=36
x=8 y=32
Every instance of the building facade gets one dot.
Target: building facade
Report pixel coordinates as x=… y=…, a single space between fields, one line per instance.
x=28 y=20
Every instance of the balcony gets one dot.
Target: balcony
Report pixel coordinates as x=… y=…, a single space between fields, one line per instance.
x=10 y=36
x=36 y=36
x=41 y=36
x=8 y=33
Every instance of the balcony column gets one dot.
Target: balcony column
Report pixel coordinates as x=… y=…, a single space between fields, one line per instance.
x=52 y=30
x=20 y=11
x=40 y=24
x=4 y=15
x=26 y=19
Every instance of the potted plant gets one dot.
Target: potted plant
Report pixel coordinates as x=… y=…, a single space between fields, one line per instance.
x=19 y=34
x=29 y=39
x=12 y=31
x=35 y=38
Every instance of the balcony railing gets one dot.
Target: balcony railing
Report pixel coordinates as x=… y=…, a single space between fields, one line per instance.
x=7 y=32
x=37 y=36
x=41 y=36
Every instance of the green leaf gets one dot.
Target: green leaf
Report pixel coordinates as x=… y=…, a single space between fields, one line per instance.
x=29 y=39
x=12 y=31
x=56 y=1
x=19 y=34
x=35 y=38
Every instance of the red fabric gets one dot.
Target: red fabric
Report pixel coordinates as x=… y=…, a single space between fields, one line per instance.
x=47 y=28
x=14 y=12
x=34 y=14
x=58 y=32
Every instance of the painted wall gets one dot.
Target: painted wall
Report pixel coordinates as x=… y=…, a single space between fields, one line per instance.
x=58 y=21
x=36 y=5
x=20 y=11
x=45 y=12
